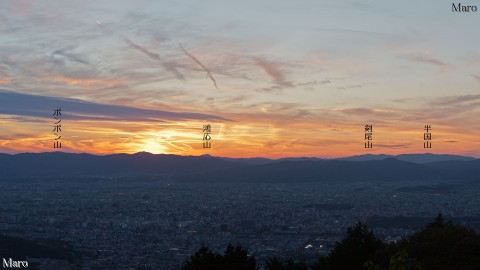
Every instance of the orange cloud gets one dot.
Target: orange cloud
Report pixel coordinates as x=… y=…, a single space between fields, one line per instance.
x=273 y=133
x=250 y=139
x=5 y=80
x=86 y=82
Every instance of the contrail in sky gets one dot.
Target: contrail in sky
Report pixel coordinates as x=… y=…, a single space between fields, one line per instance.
x=209 y=74
x=168 y=66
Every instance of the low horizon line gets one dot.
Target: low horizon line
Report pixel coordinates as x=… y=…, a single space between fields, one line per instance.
x=312 y=157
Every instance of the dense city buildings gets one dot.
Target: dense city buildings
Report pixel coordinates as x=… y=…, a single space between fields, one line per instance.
x=121 y=223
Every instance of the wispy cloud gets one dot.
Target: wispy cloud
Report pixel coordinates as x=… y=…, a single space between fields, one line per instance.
x=191 y=56
x=166 y=65
x=476 y=77
x=393 y=146
x=426 y=59
x=358 y=111
x=349 y=87
x=455 y=100
x=311 y=83
x=71 y=81
x=269 y=89
x=273 y=71
x=235 y=99
x=405 y=100
x=66 y=53
x=5 y=80
x=150 y=54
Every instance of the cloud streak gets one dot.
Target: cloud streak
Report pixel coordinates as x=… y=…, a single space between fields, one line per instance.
x=154 y=56
x=311 y=83
x=455 y=100
x=358 y=111
x=426 y=59
x=273 y=71
x=5 y=80
x=476 y=77
x=393 y=146
x=349 y=87
x=194 y=59
x=13 y=103
x=70 y=56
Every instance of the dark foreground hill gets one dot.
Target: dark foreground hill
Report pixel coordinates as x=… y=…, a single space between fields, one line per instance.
x=40 y=252
x=439 y=246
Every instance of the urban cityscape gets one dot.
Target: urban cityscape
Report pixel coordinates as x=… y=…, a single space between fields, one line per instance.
x=125 y=223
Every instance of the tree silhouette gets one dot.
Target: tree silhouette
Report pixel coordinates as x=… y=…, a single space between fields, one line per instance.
x=439 y=246
x=321 y=264
x=445 y=246
x=204 y=259
x=275 y=264
x=234 y=258
x=354 y=250
x=291 y=265
x=438 y=222
x=401 y=261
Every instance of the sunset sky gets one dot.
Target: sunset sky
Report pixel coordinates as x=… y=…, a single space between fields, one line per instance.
x=272 y=78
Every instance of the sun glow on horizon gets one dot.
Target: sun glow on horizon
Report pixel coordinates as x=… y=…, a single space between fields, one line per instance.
x=152 y=145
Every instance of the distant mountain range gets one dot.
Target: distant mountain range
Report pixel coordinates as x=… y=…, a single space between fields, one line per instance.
x=55 y=164
x=369 y=168
x=387 y=170
x=415 y=158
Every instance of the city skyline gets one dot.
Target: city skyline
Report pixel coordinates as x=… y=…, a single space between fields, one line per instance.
x=273 y=79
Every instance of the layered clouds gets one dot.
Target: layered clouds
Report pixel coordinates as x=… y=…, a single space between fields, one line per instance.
x=283 y=78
